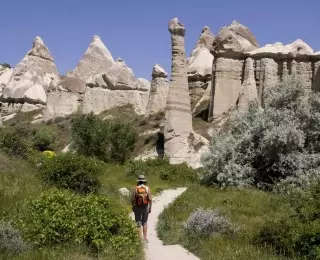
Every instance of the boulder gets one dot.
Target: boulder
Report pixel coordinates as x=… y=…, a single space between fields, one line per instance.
x=31 y=76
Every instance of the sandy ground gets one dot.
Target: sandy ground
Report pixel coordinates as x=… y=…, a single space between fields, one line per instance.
x=155 y=250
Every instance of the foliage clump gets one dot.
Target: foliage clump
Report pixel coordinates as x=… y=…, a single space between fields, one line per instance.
x=73 y=172
x=299 y=233
x=263 y=147
x=111 y=141
x=58 y=217
x=203 y=223
x=11 y=242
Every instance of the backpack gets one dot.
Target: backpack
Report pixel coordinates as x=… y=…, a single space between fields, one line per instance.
x=142 y=195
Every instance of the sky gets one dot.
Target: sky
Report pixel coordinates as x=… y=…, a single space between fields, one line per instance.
x=137 y=31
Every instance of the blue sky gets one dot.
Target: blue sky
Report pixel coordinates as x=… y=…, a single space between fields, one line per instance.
x=137 y=31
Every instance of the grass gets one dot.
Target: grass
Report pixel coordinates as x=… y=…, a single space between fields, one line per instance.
x=247 y=209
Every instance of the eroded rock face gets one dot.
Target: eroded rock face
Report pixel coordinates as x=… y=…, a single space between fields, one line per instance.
x=242 y=72
x=229 y=49
x=31 y=76
x=158 y=92
x=5 y=75
x=64 y=97
x=97 y=59
x=116 y=87
x=200 y=70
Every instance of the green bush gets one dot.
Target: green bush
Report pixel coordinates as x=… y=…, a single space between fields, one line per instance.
x=163 y=169
x=73 y=172
x=262 y=147
x=43 y=138
x=110 y=140
x=11 y=242
x=58 y=217
x=5 y=65
x=14 y=145
x=298 y=234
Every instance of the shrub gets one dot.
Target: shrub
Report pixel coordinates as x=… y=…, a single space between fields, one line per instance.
x=43 y=138
x=11 y=242
x=299 y=233
x=163 y=169
x=58 y=217
x=73 y=172
x=204 y=223
x=109 y=140
x=5 y=65
x=14 y=145
x=263 y=147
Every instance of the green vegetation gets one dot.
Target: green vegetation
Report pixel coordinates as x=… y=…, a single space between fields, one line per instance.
x=247 y=211
x=108 y=140
x=73 y=172
x=60 y=217
x=5 y=65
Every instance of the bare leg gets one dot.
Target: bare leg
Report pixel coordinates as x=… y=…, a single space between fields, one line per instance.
x=140 y=232
x=145 y=231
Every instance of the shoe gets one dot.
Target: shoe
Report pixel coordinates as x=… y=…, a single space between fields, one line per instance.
x=146 y=240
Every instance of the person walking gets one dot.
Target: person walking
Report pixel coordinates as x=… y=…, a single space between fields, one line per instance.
x=141 y=206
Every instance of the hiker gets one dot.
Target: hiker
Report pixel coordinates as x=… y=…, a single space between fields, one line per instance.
x=141 y=205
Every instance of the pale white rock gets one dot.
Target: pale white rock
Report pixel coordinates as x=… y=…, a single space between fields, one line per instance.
x=97 y=59
x=249 y=87
x=178 y=118
x=234 y=39
x=200 y=61
x=100 y=99
x=61 y=104
x=204 y=100
x=5 y=75
x=145 y=84
x=116 y=87
x=158 y=72
x=158 y=91
x=36 y=69
x=295 y=48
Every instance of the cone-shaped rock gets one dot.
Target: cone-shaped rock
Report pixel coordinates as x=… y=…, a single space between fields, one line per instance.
x=200 y=71
x=5 y=75
x=31 y=76
x=200 y=61
x=97 y=59
x=178 y=123
x=158 y=91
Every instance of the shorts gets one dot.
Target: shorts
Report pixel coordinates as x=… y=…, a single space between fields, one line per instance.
x=141 y=215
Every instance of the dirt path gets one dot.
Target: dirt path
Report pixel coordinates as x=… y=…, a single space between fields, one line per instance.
x=155 y=250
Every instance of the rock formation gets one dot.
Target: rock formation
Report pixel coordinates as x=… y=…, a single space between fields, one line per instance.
x=31 y=76
x=64 y=97
x=97 y=59
x=5 y=75
x=180 y=140
x=116 y=86
x=158 y=91
x=229 y=48
x=241 y=71
x=200 y=71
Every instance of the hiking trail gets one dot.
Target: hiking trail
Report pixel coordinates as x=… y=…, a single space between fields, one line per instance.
x=155 y=250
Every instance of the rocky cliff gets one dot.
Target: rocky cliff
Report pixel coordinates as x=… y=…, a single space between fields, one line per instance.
x=241 y=71
x=31 y=76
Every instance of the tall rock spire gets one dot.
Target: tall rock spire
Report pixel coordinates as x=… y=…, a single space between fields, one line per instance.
x=178 y=123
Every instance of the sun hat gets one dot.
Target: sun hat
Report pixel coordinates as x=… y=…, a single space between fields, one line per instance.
x=141 y=178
